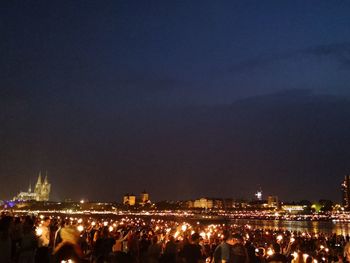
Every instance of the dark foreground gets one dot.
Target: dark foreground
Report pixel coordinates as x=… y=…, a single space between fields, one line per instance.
x=143 y=240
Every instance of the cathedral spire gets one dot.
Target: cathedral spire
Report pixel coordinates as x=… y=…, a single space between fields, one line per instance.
x=39 y=179
x=45 y=180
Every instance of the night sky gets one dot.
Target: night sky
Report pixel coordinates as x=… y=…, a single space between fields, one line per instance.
x=182 y=99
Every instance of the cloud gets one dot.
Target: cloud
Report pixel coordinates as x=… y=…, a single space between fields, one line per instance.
x=338 y=52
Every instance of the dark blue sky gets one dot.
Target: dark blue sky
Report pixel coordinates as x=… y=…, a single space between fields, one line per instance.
x=182 y=99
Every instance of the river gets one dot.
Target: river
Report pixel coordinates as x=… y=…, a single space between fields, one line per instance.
x=340 y=228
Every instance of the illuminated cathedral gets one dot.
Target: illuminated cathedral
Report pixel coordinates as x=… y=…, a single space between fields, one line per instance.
x=41 y=191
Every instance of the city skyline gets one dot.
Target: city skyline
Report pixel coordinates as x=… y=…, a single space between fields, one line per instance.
x=176 y=98
x=42 y=189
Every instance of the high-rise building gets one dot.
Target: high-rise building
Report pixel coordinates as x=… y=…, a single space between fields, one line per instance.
x=345 y=187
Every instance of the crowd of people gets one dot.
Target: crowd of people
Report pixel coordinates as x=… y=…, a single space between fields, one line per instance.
x=29 y=239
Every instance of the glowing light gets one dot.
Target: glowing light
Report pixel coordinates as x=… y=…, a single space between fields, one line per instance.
x=259 y=195
x=105 y=223
x=279 y=238
x=80 y=228
x=292 y=239
x=82 y=201
x=39 y=231
x=110 y=228
x=183 y=227
x=295 y=255
x=269 y=252
x=93 y=223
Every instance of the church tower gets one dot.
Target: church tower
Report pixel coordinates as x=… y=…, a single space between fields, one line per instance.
x=42 y=189
x=37 y=189
x=45 y=190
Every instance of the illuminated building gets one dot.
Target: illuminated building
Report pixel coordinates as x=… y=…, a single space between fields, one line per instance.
x=190 y=204
x=26 y=196
x=345 y=187
x=126 y=199
x=203 y=203
x=41 y=191
x=144 y=198
x=272 y=201
x=293 y=208
x=218 y=203
x=258 y=195
x=129 y=199
x=132 y=199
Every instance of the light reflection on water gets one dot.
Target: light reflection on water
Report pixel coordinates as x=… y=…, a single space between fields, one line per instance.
x=338 y=228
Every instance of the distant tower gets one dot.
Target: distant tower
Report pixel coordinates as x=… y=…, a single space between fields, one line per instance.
x=144 y=198
x=126 y=199
x=42 y=189
x=132 y=200
x=258 y=195
x=345 y=187
x=45 y=190
x=129 y=199
x=37 y=189
x=272 y=201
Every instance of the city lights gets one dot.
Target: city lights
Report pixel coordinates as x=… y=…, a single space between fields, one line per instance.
x=269 y=252
x=38 y=231
x=80 y=228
